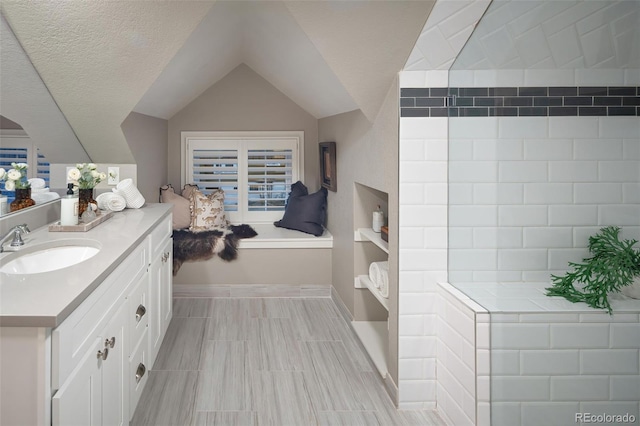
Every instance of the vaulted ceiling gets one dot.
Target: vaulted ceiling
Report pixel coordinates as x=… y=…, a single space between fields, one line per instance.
x=103 y=60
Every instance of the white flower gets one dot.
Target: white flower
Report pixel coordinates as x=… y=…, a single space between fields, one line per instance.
x=2 y=173
x=74 y=174
x=95 y=174
x=103 y=176
x=9 y=185
x=14 y=174
x=22 y=166
x=80 y=166
x=91 y=166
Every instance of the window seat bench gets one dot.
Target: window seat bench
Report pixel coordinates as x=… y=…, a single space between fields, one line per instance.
x=277 y=262
x=270 y=236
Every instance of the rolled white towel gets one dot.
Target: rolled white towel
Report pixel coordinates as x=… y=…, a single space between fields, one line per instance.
x=130 y=192
x=111 y=201
x=116 y=203
x=384 y=283
x=374 y=274
x=36 y=183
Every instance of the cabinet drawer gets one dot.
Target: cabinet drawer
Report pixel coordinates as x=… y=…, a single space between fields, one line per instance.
x=74 y=336
x=138 y=311
x=159 y=234
x=138 y=373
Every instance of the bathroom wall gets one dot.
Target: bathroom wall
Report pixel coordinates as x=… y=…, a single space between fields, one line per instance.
x=243 y=100
x=147 y=139
x=367 y=153
x=525 y=192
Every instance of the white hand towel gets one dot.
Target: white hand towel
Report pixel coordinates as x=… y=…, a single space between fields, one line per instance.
x=36 y=183
x=374 y=274
x=116 y=203
x=131 y=194
x=111 y=201
x=39 y=190
x=43 y=197
x=384 y=279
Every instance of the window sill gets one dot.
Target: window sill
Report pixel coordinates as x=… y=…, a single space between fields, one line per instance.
x=270 y=236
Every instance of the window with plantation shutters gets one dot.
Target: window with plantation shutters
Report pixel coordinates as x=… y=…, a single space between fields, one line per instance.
x=19 y=148
x=255 y=169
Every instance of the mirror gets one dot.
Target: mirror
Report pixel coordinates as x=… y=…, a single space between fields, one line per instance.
x=28 y=109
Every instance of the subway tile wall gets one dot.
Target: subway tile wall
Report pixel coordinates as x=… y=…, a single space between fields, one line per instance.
x=526 y=192
x=422 y=245
x=567 y=364
x=463 y=391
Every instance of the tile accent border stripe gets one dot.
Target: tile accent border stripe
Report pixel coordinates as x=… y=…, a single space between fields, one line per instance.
x=520 y=101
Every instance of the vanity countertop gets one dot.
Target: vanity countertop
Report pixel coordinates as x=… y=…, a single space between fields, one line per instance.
x=46 y=299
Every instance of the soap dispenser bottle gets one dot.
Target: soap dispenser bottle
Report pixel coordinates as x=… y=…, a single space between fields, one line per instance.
x=69 y=207
x=378 y=220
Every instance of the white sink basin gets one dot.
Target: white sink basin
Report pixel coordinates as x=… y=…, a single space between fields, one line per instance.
x=49 y=256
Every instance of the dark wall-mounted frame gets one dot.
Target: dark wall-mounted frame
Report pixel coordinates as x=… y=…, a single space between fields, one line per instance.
x=328 y=166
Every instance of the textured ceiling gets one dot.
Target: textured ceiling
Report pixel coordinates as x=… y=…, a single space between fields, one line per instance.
x=327 y=56
x=103 y=59
x=25 y=100
x=555 y=35
x=262 y=35
x=98 y=58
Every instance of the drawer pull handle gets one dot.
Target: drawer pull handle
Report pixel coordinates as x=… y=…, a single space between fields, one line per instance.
x=140 y=372
x=140 y=312
x=110 y=342
x=103 y=354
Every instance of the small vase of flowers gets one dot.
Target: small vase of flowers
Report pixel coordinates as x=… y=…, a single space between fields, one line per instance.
x=85 y=177
x=16 y=180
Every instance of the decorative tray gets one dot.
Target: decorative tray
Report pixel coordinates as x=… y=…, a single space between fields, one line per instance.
x=101 y=216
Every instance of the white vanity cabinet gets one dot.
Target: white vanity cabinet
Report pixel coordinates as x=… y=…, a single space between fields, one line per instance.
x=103 y=372
x=160 y=279
x=75 y=343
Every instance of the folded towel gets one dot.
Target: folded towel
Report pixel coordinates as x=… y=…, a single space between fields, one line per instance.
x=36 y=183
x=39 y=190
x=111 y=201
x=43 y=197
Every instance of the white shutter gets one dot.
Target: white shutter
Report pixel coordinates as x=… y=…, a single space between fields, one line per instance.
x=42 y=168
x=213 y=169
x=269 y=177
x=255 y=169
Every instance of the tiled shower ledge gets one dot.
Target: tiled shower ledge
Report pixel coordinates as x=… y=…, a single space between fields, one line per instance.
x=530 y=298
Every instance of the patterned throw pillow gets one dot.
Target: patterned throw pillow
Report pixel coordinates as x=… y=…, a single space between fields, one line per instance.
x=207 y=211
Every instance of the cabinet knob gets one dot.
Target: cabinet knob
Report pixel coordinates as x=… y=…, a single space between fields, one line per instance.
x=110 y=342
x=140 y=372
x=103 y=354
x=140 y=312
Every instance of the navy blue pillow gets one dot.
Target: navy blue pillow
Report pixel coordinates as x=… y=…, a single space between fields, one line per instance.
x=305 y=212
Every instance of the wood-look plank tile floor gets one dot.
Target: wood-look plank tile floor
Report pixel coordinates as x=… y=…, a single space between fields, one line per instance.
x=266 y=361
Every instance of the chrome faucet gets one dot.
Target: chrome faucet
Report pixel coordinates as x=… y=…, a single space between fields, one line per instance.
x=15 y=232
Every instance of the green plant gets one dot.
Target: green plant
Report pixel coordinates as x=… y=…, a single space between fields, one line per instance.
x=613 y=265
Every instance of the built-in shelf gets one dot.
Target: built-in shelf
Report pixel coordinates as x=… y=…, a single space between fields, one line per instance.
x=368 y=234
x=363 y=281
x=374 y=336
